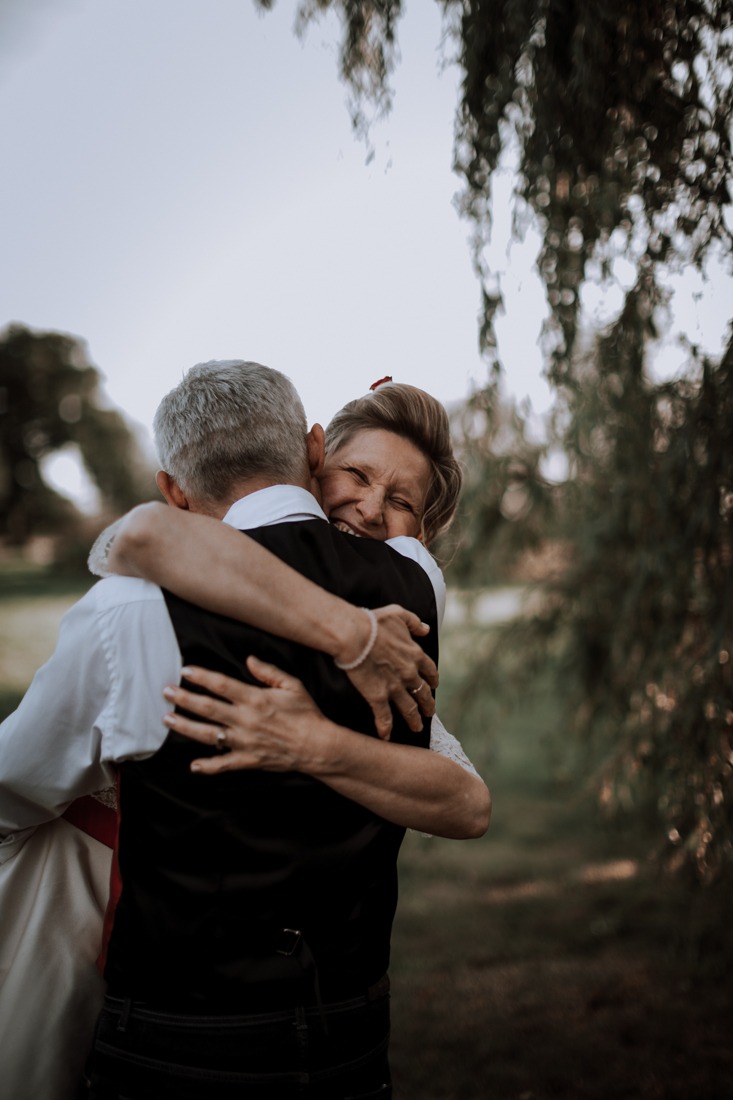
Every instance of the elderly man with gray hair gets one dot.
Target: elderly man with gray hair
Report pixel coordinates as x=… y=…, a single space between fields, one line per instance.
x=250 y=943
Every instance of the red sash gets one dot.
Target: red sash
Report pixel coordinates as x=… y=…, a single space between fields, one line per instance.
x=101 y=823
x=94 y=818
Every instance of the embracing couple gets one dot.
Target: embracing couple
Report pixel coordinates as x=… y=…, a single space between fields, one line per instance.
x=247 y=936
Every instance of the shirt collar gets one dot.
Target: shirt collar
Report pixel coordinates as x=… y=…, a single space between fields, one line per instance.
x=275 y=504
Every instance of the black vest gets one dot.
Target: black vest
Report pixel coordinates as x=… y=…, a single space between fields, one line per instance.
x=216 y=868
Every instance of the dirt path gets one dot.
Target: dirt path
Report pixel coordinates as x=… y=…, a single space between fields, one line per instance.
x=561 y=994
x=564 y=988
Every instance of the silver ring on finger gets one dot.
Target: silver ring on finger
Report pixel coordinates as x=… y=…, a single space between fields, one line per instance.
x=222 y=741
x=415 y=691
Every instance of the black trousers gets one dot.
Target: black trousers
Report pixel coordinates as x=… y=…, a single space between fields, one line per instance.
x=328 y=1052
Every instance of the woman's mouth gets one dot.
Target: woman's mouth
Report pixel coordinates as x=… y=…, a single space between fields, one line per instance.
x=342 y=525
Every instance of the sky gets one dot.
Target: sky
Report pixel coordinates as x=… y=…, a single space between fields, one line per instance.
x=181 y=182
x=185 y=184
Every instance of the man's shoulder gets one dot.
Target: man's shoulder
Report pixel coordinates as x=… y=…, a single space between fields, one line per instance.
x=402 y=552
x=115 y=592
x=361 y=570
x=413 y=549
x=314 y=531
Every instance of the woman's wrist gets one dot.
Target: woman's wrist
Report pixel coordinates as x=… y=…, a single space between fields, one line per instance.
x=320 y=750
x=129 y=553
x=360 y=658
x=350 y=635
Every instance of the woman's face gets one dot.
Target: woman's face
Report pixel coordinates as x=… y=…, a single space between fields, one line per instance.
x=375 y=485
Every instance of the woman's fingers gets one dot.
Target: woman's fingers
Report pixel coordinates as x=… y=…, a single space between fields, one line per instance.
x=272 y=675
x=228 y=762
x=217 y=683
x=382 y=718
x=392 y=614
x=197 y=731
x=219 y=737
x=410 y=705
x=409 y=709
x=429 y=671
x=423 y=696
x=262 y=726
x=235 y=690
x=412 y=621
x=205 y=706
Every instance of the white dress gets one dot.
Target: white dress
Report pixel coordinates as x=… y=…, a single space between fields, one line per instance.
x=54 y=885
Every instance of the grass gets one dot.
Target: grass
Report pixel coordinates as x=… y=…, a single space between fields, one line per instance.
x=551 y=958
x=32 y=604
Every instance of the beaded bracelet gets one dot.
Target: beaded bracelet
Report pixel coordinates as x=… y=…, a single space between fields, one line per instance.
x=347 y=666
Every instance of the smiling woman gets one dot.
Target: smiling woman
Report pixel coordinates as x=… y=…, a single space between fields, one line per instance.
x=398 y=410
x=373 y=498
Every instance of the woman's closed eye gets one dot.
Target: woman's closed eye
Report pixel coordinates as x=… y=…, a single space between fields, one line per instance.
x=364 y=478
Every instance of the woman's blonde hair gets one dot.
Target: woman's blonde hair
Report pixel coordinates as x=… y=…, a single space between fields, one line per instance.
x=419 y=418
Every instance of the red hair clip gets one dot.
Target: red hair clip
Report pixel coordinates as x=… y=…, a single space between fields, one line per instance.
x=375 y=385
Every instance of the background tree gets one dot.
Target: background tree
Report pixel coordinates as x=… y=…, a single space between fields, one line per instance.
x=508 y=508
x=50 y=398
x=618 y=116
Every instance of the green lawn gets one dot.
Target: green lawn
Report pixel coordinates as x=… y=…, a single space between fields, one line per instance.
x=550 y=959
x=32 y=604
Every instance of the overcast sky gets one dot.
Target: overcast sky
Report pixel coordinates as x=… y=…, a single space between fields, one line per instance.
x=181 y=182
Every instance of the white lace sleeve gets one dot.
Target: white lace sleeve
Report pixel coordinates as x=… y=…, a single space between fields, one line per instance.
x=99 y=553
x=107 y=796
x=447 y=745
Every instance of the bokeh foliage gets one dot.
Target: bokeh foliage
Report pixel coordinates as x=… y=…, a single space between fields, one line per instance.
x=643 y=609
x=618 y=117
x=50 y=399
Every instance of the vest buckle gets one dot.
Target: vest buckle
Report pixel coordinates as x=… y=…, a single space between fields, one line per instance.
x=290 y=940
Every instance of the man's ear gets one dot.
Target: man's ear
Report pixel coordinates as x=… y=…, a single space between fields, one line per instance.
x=315 y=442
x=172 y=491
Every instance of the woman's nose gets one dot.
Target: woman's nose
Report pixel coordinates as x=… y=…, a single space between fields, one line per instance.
x=371 y=506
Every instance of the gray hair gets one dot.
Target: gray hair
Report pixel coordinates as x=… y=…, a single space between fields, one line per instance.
x=228 y=421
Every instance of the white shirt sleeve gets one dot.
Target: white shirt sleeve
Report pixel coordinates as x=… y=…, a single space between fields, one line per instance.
x=413 y=548
x=98 y=700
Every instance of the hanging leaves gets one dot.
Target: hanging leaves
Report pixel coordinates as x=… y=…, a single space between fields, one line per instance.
x=619 y=116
